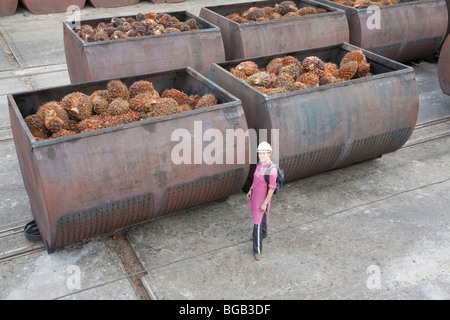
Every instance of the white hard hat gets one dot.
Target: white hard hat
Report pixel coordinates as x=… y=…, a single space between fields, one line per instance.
x=264 y=147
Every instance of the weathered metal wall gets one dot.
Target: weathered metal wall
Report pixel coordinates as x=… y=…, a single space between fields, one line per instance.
x=444 y=67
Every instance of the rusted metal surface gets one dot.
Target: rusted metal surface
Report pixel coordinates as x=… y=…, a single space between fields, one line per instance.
x=8 y=7
x=51 y=6
x=166 y=1
x=334 y=125
x=280 y=35
x=112 y=3
x=406 y=31
x=90 y=183
x=444 y=67
x=126 y=57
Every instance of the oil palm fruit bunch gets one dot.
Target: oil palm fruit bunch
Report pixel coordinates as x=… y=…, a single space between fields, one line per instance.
x=115 y=105
x=284 y=9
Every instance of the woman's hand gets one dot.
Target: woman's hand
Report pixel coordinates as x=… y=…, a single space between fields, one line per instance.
x=249 y=194
x=264 y=207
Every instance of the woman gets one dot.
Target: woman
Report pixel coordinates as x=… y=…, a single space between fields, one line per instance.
x=260 y=196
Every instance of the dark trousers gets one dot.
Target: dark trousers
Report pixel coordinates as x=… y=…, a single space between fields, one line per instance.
x=259 y=233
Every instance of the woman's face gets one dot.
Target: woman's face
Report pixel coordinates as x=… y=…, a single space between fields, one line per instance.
x=264 y=156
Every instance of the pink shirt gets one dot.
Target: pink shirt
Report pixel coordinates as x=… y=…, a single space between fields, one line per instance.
x=259 y=192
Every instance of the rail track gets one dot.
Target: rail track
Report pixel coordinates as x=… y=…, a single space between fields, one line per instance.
x=39 y=247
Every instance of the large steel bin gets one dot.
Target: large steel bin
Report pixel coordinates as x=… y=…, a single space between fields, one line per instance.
x=51 y=6
x=444 y=67
x=8 y=7
x=334 y=125
x=94 y=182
x=405 y=31
x=243 y=40
x=126 y=57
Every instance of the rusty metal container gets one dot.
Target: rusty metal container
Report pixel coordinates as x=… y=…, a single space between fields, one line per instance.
x=51 y=6
x=244 y=40
x=444 y=67
x=127 y=57
x=112 y=3
x=335 y=125
x=8 y=7
x=94 y=182
x=406 y=31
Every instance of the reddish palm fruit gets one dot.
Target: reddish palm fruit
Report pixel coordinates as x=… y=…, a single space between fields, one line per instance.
x=291 y=14
x=192 y=100
x=348 y=70
x=232 y=16
x=262 y=78
x=72 y=99
x=62 y=133
x=310 y=79
x=93 y=123
x=192 y=24
x=185 y=107
x=101 y=35
x=55 y=106
x=254 y=14
x=274 y=16
x=163 y=107
x=332 y=69
x=238 y=73
x=283 y=80
x=117 y=89
x=40 y=134
x=327 y=78
x=268 y=11
x=35 y=123
x=72 y=125
x=78 y=105
x=151 y=15
x=171 y=30
x=249 y=67
x=177 y=95
x=140 y=86
x=118 y=106
x=273 y=91
x=206 y=101
x=287 y=60
x=53 y=123
x=354 y=55
x=314 y=64
x=99 y=104
x=99 y=93
x=307 y=10
x=275 y=65
x=363 y=69
x=294 y=70
x=285 y=7
x=142 y=102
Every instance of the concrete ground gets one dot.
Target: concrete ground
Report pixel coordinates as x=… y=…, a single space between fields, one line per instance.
x=375 y=230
